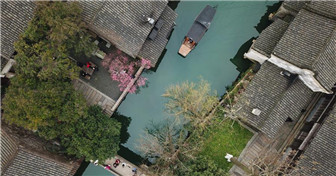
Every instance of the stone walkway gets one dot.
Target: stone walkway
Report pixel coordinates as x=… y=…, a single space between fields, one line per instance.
x=123 y=171
x=254 y=148
x=94 y=96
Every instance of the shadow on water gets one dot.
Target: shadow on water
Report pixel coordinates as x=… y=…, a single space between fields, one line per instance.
x=153 y=69
x=130 y=156
x=239 y=61
x=173 y=4
x=125 y=122
x=124 y=135
x=264 y=22
x=82 y=168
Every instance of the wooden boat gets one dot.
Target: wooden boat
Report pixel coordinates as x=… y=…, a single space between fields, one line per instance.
x=197 y=30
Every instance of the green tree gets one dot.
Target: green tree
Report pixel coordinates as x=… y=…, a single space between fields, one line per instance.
x=55 y=32
x=191 y=101
x=32 y=104
x=41 y=97
x=200 y=166
x=96 y=136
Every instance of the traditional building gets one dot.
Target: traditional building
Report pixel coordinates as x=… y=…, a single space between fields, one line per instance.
x=319 y=157
x=295 y=86
x=15 y=16
x=306 y=45
x=23 y=153
x=138 y=28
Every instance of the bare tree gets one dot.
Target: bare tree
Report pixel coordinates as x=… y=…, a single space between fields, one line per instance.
x=162 y=141
x=167 y=146
x=191 y=101
x=272 y=163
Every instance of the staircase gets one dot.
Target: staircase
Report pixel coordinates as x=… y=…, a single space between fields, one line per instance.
x=254 y=149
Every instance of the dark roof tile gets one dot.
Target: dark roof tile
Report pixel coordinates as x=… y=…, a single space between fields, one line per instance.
x=325 y=65
x=276 y=96
x=15 y=16
x=25 y=153
x=263 y=92
x=26 y=163
x=305 y=38
x=8 y=150
x=269 y=37
x=293 y=101
x=294 y=5
x=319 y=157
x=325 y=8
x=121 y=22
x=152 y=49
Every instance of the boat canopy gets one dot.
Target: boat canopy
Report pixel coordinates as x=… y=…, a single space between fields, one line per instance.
x=201 y=24
x=206 y=16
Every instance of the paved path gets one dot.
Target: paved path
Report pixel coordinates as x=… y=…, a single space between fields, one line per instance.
x=94 y=96
x=123 y=171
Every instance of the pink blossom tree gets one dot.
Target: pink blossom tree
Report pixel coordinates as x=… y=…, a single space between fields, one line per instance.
x=123 y=69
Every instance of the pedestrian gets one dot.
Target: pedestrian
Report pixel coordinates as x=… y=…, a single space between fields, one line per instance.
x=88 y=64
x=108 y=167
x=96 y=163
x=123 y=164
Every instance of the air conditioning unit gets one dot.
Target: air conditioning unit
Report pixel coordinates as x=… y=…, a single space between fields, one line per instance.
x=150 y=20
x=256 y=111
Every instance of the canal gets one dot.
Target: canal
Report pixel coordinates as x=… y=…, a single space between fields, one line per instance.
x=234 y=24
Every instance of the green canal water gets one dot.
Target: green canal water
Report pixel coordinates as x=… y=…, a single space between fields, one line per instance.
x=233 y=25
x=230 y=34
x=93 y=170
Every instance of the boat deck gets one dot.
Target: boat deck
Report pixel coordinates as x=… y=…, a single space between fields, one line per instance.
x=185 y=49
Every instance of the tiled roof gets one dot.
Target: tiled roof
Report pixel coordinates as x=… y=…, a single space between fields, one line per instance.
x=292 y=102
x=294 y=5
x=325 y=64
x=23 y=153
x=305 y=38
x=27 y=163
x=90 y=9
x=326 y=8
x=152 y=49
x=276 y=96
x=269 y=37
x=15 y=16
x=8 y=150
x=319 y=157
x=263 y=92
x=121 y=22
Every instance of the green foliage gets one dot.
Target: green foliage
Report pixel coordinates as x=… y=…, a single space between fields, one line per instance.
x=32 y=104
x=96 y=136
x=201 y=166
x=55 y=31
x=41 y=96
x=224 y=137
